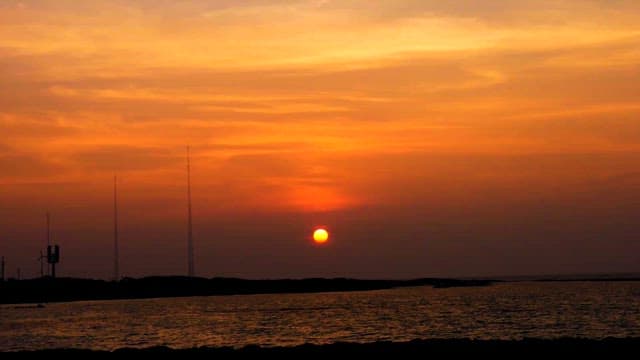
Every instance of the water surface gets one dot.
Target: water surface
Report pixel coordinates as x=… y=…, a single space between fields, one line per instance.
x=502 y=311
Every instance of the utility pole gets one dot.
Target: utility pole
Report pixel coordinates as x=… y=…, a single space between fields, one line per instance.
x=41 y=259
x=2 y=269
x=53 y=257
x=48 y=240
x=53 y=252
x=116 y=255
x=191 y=270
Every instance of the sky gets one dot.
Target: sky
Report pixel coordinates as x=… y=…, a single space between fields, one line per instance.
x=431 y=138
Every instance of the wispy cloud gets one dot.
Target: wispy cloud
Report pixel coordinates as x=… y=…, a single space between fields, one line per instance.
x=109 y=85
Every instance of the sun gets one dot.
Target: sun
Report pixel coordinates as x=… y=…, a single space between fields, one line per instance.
x=320 y=236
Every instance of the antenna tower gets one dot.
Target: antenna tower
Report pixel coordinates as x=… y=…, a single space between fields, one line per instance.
x=191 y=270
x=116 y=255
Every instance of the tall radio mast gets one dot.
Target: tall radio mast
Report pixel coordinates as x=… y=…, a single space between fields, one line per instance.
x=191 y=270
x=116 y=255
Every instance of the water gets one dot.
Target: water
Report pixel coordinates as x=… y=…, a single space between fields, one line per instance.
x=502 y=311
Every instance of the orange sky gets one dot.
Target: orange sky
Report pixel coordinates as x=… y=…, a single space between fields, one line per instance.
x=433 y=137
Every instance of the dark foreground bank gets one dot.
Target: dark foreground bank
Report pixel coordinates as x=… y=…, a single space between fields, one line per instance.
x=522 y=348
x=43 y=290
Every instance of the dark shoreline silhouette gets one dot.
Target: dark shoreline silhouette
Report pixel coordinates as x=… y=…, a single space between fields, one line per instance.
x=589 y=279
x=46 y=289
x=526 y=347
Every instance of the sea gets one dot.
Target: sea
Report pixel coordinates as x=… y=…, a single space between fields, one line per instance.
x=509 y=310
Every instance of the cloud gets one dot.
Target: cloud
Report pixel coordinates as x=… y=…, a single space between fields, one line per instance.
x=123 y=158
x=18 y=166
x=461 y=114
x=16 y=128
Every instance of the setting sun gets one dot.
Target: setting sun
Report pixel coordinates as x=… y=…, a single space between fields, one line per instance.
x=320 y=236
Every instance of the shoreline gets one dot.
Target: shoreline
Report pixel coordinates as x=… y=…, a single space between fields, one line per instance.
x=49 y=290
x=567 y=346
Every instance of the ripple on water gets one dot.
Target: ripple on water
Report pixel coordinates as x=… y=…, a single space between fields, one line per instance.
x=502 y=311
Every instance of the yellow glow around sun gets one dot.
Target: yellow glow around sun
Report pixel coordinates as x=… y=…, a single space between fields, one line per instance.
x=320 y=236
